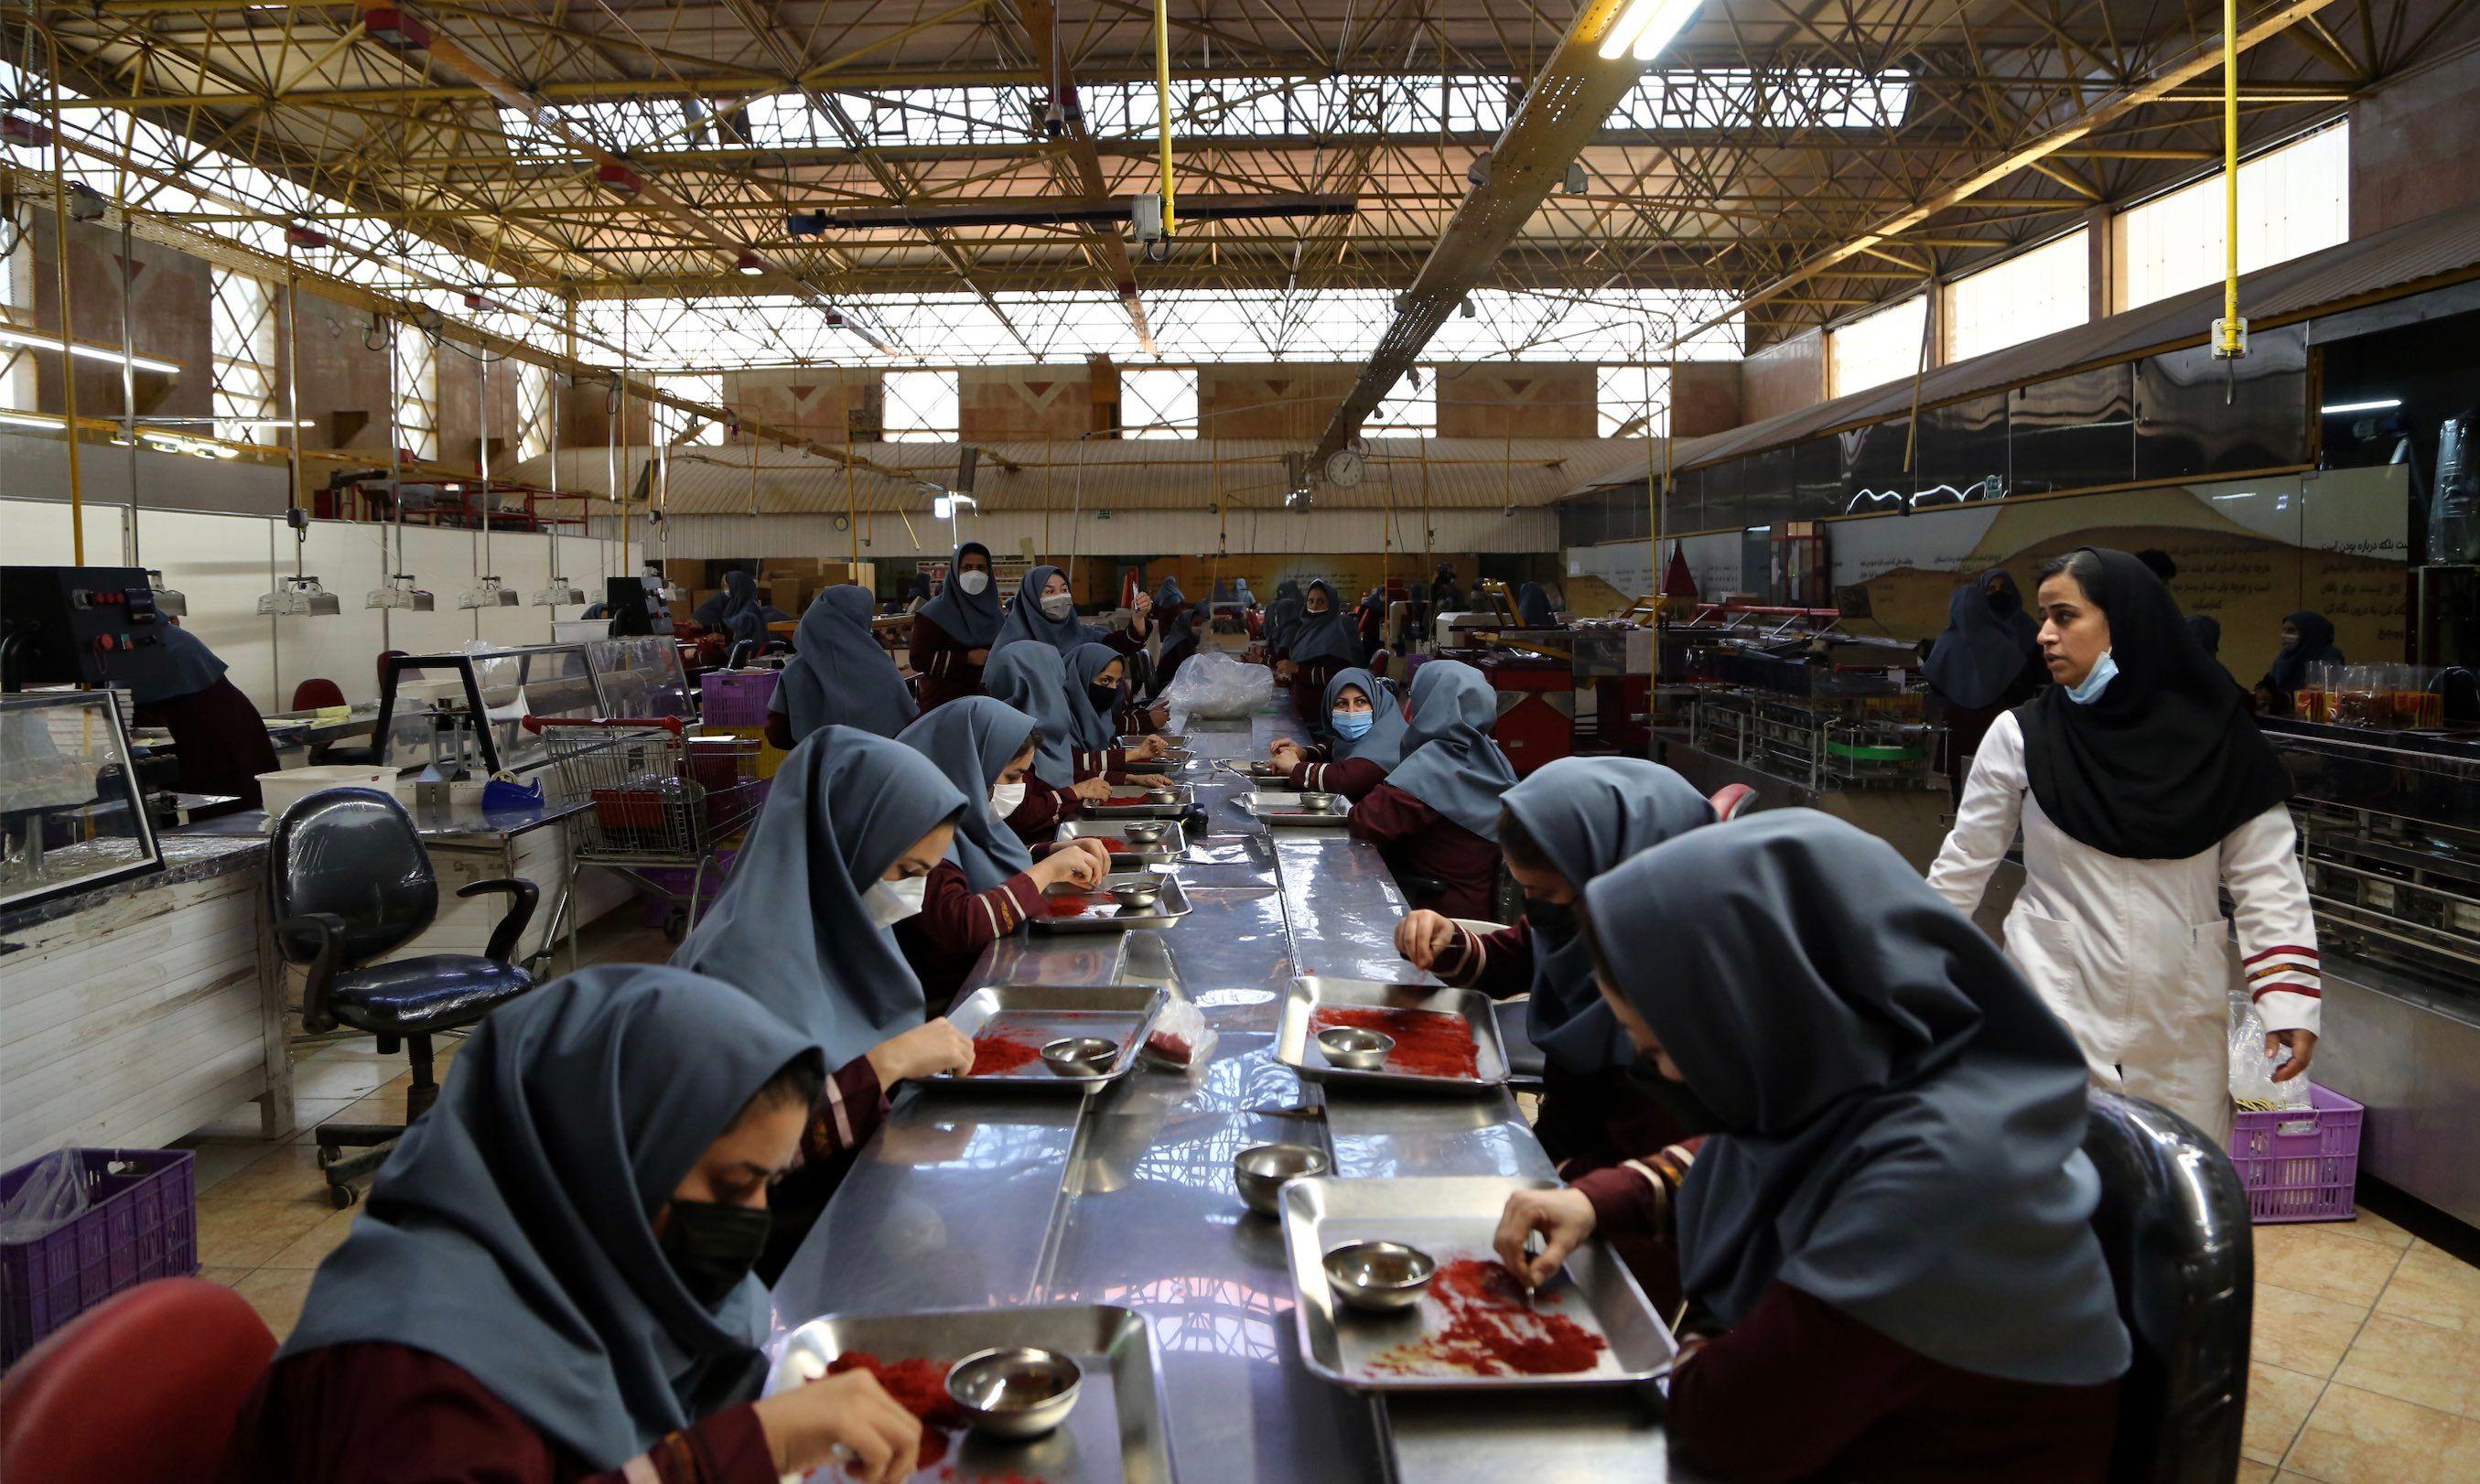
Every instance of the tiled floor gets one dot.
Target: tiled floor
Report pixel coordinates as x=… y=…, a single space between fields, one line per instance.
x=264 y=1220
x=2366 y=1365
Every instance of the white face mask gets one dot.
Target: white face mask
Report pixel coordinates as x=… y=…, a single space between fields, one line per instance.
x=889 y=903
x=972 y=582
x=1006 y=798
x=1059 y=605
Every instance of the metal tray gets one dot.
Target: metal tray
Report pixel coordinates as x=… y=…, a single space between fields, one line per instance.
x=1177 y=760
x=1295 y=1048
x=1118 y=1431
x=1284 y=808
x=1183 y=796
x=1040 y=1013
x=1255 y=772
x=1110 y=917
x=1173 y=844
x=1449 y=1218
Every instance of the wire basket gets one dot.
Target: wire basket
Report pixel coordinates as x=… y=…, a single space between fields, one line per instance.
x=655 y=794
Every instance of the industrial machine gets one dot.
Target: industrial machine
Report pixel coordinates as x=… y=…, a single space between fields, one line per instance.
x=79 y=626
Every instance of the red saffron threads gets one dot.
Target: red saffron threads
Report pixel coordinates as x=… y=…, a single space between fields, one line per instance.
x=1492 y=1329
x=917 y=1386
x=996 y=1052
x=1071 y=903
x=1110 y=842
x=1427 y=1043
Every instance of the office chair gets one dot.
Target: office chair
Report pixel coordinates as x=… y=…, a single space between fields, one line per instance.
x=142 y=1389
x=350 y=881
x=2173 y=1223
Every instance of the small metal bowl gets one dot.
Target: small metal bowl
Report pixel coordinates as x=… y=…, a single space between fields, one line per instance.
x=1162 y=796
x=1015 y=1390
x=1080 y=1055
x=1319 y=804
x=1380 y=1275
x=1354 y=1049
x=1262 y=1173
x=1137 y=896
x=1144 y=832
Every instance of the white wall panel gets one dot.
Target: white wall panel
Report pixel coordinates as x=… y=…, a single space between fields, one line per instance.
x=1126 y=533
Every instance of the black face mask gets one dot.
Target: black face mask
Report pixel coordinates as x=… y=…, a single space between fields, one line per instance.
x=712 y=1248
x=1553 y=920
x=1692 y=1114
x=2004 y=603
x=1105 y=698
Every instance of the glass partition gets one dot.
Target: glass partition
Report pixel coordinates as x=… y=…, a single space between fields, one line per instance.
x=72 y=813
x=640 y=677
x=487 y=693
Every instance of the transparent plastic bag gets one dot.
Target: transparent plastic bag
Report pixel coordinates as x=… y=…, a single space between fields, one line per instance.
x=1181 y=1038
x=2252 y=1086
x=52 y=1197
x=1212 y=684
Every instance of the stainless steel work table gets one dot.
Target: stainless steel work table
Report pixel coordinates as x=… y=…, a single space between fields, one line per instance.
x=976 y=1200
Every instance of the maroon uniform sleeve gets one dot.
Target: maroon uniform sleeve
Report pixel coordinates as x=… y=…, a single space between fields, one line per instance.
x=935 y=652
x=388 y=1414
x=1498 y=964
x=1353 y=778
x=960 y=918
x=1638 y=1197
x=1792 y=1356
x=1106 y=764
x=1043 y=810
x=1386 y=814
x=847 y=1112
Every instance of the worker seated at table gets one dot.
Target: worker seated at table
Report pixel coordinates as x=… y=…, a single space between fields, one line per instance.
x=218 y=738
x=1033 y=679
x=1364 y=738
x=1326 y=640
x=738 y=612
x=1046 y=611
x=952 y=633
x=1283 y=616
x=1181 y=638
x=839 y=676
x=1094 y=676
x=843 y=851
x=990 y=883
x=551 y=1282
x=1883 y=1230
x=1564 y=824
x=1435 y=818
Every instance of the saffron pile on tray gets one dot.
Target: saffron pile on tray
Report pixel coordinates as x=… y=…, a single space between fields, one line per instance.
x=1110 y=842
x=996 y=1051
x=1427 y=1043
x=1492 y=1327
x=921 y=1387
x=1071 y=903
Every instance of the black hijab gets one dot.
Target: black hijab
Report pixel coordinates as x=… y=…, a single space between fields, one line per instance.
x=2165 y=761
x=2316 y=646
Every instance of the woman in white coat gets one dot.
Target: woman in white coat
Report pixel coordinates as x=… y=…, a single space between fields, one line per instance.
x=2142 y=789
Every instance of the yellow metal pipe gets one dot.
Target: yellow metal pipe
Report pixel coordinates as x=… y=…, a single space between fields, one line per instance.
x=68 y=360
x=1162 y=92
x=2229 y=345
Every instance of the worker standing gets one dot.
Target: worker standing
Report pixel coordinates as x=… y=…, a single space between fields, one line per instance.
x=2143 y=790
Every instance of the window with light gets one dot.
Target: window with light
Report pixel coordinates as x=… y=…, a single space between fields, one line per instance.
x=1158 y=401
x=2028 y=296
x=1876 y=348
x=673 y=425
x=1407 y=411
x=1632 y=401
x=2292 y=201
x=417 y=393
x=240 y=329
x=920 y=406
x=533 y=409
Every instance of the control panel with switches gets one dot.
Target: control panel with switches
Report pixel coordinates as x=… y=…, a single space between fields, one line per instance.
x=79 y=626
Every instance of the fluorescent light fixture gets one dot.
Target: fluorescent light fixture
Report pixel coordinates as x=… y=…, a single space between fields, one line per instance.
x=945 y=507
x=487 y=593
x=1647 y=26
x=10 y=335
x=2378 y=405
x=399 y=592
x=748 y=266
x=299 y=598
x=170 y=602
x=560 y=592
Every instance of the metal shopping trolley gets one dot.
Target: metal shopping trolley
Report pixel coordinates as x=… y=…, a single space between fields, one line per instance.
x=658 y=800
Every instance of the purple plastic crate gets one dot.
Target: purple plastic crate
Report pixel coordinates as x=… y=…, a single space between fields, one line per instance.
x=736 y=698
x=143 y=1225
x=2300 y=1166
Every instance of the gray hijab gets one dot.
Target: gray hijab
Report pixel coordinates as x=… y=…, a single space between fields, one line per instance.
x=1449 y=762
x=972 y=739
x=1025 y=619
x=189 y=667
x=1901 y=1119
x=1589 y=814
x=511 y=1231
x=1327 y=635
x=971 y=618
x=1095 y=731
x=790 y=928
x=1384 y=742
x=1169 y=596
x=1032 y=679
x=838 y=674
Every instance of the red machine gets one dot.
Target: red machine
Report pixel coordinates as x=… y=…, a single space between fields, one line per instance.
x=1537 y=708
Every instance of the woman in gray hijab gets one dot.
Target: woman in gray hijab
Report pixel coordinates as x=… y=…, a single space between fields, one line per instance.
x=991 y=884
x=552 y=1281
x=1365 y=730
x=1033 y=679
x=1985 y=663
x=839 y=675
x=1435 y=818
x=1569 y=822
x=1045 y=609
x=1884 y=1230
x=738 y=612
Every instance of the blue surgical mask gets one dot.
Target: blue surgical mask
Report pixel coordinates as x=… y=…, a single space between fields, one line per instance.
x=2104 y=670
x=1353 y=724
